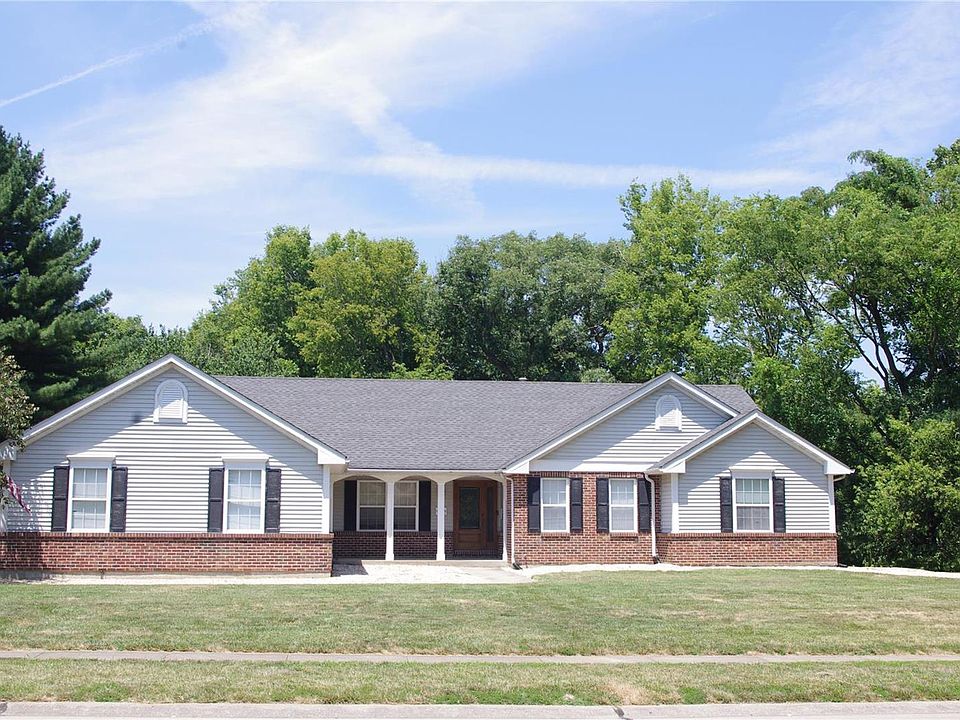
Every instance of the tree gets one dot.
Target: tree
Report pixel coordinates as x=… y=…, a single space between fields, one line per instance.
x=907 y=510
x=44 y=268
x=365 y=311
x=514 y=306
x=15 y=418
x=665 y=290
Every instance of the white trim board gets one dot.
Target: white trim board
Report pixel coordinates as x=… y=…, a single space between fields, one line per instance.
x=325 y=453
x=522 y=464
x=678 y=464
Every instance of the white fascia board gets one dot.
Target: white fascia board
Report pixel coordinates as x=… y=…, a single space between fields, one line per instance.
x=522 y=465
x=831 y=466
x=325 y=454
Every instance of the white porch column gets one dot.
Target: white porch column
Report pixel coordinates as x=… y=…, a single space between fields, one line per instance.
x=326 y=510
x=504 y=514
x=389 y=518
x=441 y=518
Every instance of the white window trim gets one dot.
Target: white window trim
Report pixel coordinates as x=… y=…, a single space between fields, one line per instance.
x=384 y=506
x=182 y=420
x=415 y=506
x=755 y=475
x=679 y=406
x=544 y=505
x=89 y=463
x=636 y=510
x=263 y=495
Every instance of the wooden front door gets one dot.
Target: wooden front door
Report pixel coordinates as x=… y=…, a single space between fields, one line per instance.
x=475 y=517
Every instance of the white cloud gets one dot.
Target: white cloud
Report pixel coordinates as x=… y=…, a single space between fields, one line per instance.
x=895 y=85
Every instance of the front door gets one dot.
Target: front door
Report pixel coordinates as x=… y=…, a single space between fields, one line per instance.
x=475 y=517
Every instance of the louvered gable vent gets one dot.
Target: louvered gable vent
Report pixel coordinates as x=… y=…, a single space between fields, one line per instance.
x=669 y=415
x=171 y=402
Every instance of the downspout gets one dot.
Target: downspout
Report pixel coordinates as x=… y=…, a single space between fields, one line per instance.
x=653 y=518
x=513 y=530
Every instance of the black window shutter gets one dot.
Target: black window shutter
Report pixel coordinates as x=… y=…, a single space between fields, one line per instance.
x=118 y=500
x=491 y=513
x=271 y=511
x=576 y=504
x=603 y=505
x=643 y=497
x=533 y=504
x=349 y=504
x=61 y=487
x=779 y=506
x=425 y=499
x=726 y=504
x=215 y=501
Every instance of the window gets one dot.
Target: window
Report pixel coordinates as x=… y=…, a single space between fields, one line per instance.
x=371 y=505
x=170 y=402
x=754 y=512
x=243 y=509
x=89 y=498
x=405 y=505
x=669 y=416
x=623 y=505
x=555 y=504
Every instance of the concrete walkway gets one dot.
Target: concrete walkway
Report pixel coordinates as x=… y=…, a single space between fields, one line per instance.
x=226 y=711
x=200 y=656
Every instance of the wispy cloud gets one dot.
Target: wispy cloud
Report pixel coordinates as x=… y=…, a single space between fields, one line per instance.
x=894 y=85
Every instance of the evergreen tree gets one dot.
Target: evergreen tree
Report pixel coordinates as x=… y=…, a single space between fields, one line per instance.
x=44 y=266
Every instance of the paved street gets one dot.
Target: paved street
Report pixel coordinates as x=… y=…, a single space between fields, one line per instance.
x=819 y=711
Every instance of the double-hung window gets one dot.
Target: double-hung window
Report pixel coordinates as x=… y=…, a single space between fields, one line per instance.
x=623 y=505
x=89 y=498
x=405 y=505
x=243 y=506
x=555 y=504
x=371 y=505
x=753 y=508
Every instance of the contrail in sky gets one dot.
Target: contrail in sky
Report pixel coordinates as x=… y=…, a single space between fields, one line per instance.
x=195 y=30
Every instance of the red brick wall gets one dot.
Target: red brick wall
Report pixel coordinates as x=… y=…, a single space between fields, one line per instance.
x=590 y=546
x=373 y=545
x=748 y=549
x=166 y=553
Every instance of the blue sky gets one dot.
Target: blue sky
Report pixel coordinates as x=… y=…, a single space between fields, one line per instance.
x=185 y=131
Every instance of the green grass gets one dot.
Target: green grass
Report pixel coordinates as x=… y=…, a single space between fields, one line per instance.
x=719 y=611
x=111 y=681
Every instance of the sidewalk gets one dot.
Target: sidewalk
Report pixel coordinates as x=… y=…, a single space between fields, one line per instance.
x=820 y=711
x=201 y=656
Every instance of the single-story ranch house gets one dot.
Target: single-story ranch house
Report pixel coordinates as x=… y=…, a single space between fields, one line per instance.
x=175 y=470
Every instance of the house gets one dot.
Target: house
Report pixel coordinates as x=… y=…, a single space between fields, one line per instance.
x=175 y=470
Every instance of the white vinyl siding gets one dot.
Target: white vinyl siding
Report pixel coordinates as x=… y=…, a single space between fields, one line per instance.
x=630 y=440
x=753 y=451
x=169 y=464
x=554 y=505
x=623 y=505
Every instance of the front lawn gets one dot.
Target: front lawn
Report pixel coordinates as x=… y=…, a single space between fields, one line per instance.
x=111 y=681
x=702 y=612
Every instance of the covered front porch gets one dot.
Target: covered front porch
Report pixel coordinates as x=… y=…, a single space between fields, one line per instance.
x=399 y=515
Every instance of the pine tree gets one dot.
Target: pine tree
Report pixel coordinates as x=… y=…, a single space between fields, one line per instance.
x=44 y=266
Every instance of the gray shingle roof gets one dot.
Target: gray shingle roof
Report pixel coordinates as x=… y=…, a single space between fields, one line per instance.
x=432 y=424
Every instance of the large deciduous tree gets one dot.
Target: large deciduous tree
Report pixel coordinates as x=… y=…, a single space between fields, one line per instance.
x=44 y=268
x=364 y=313
x=514 y=306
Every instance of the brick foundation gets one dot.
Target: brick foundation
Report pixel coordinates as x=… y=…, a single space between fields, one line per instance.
x=350 y=544
x=166 y=553
x=747 y=549
x=589 y=546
